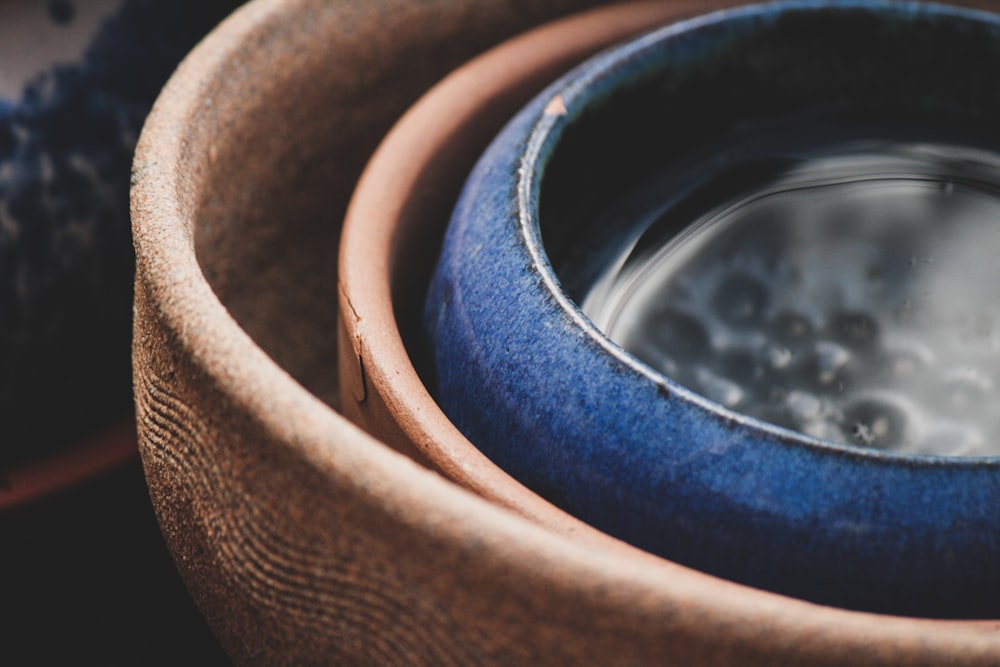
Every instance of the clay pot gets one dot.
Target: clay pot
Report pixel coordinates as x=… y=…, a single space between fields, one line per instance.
x=392 y=235
x=303 y=539
x=628 y=439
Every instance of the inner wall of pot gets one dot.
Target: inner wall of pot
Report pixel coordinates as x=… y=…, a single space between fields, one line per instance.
x=276 y=169
x=851 y=67
x=276 y=187
x=282 y=139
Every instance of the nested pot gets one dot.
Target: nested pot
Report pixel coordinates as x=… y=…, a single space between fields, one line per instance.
x=303 y=538
x=725 y=117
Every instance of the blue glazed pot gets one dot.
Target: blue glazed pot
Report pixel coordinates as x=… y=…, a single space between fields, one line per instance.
x=542 y=391
x=77 y=78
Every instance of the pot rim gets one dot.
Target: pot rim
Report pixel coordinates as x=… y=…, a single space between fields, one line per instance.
x=164 y=186
x=391 y=197
x=601 y=74
x=377 y=211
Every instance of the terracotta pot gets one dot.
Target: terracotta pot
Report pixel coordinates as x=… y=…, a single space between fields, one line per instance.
x=303 y=539
x=392 y=236
x=631 y=440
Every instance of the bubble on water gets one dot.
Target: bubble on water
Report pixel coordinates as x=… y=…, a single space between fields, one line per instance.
x=740 y=299
x=854 y=329
x=722 y=390
x=741 y=365
x=804 y=412
x=828 y=364
x=677 y=331
x=804 y=407
x=904 y=360
x=777 y=357
x=967 y=391
x=790 y=327
x=876 y=422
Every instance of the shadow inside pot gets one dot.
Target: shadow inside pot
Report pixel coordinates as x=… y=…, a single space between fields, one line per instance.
x=269 y=251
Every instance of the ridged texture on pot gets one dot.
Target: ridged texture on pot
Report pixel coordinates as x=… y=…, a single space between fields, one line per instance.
x=304 y=540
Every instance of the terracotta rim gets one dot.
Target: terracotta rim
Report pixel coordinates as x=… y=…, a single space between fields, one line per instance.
x=392 y=203
x=250 y=387
x=405 y=193
x=393 y=197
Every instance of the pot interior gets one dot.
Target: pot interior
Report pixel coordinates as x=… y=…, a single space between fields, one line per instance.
x=844 y=149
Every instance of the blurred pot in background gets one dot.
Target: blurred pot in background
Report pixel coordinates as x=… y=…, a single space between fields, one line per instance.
x=82 y=556
x=77 y=78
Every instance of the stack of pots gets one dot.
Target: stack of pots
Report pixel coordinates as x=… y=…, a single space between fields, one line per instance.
x=318 y=503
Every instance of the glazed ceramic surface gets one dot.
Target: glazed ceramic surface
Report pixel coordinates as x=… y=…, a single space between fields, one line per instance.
x=546 y=395
x=77 y=78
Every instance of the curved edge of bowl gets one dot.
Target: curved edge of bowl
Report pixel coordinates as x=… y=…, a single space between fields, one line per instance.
x=303 y=539
x=397 y=213
x=495 y=301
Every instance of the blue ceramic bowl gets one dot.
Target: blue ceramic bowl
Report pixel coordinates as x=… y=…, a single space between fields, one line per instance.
x=542 y=391
x=77 y=78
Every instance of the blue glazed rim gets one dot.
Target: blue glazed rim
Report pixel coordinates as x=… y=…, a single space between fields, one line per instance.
x=598 y=79
x=672 y=472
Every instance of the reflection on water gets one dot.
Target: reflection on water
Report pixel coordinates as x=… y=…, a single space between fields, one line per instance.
x=850 y=292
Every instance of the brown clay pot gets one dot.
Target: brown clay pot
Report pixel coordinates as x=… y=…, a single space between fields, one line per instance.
x=394 y=227
x=393 y=230
x=303 y=539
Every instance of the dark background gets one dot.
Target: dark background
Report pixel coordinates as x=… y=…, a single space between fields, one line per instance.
x=86 y=579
